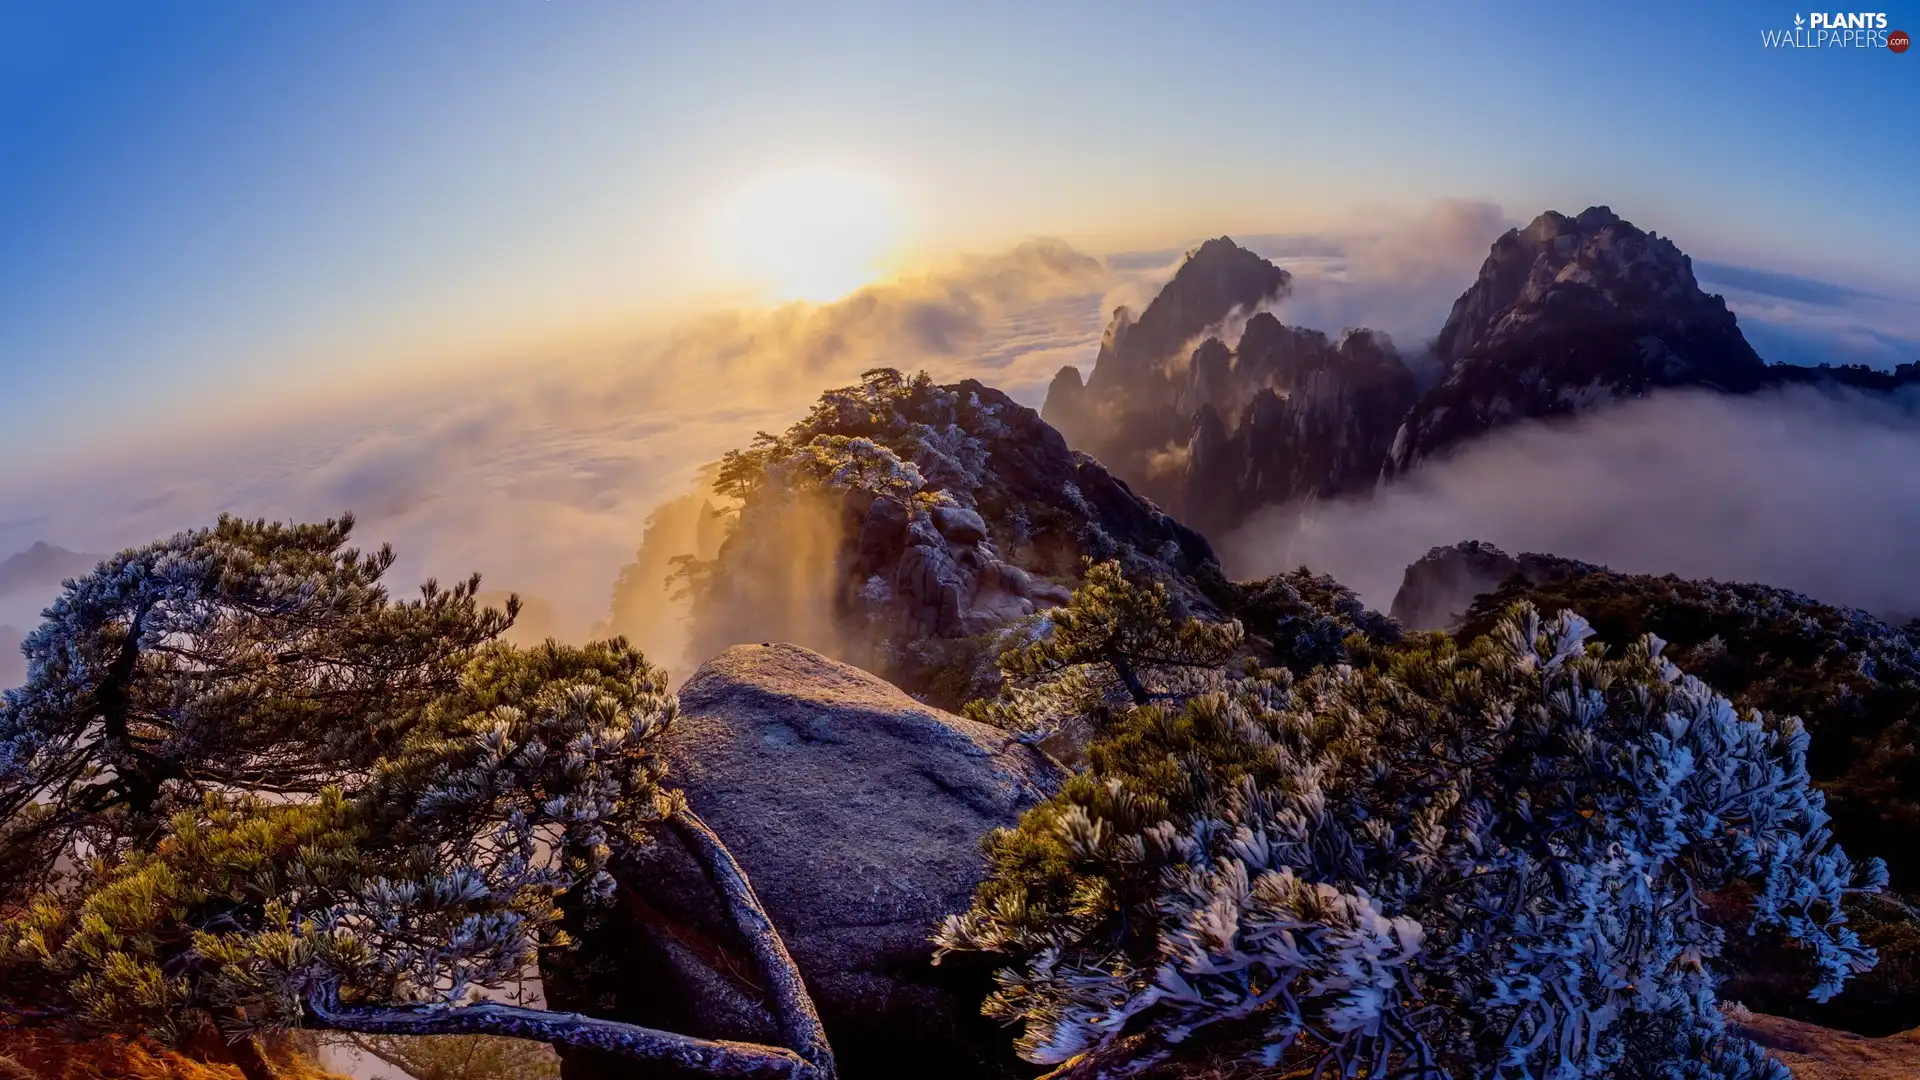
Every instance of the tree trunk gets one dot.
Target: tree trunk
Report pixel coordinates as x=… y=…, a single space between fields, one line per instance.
x=787 y=993
x=1124 y=668
x=252 y=1064
x=740 y=1061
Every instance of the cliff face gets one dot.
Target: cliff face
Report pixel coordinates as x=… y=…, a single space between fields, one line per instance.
x=1127 y=411
x=1288 y=415
x=1214 y=431
x=1567 y=314
x=903 y=525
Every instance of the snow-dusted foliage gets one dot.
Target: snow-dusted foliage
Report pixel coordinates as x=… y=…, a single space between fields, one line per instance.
x=886 y=435
x=1489 y=861
x=245 y=657
x=1853 y=680
x=247 y=791
x=436 y=877
x=1306 y=618
x=1119 y=644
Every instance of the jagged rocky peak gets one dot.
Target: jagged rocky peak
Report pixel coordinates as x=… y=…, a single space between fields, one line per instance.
x=900 y=514
x=1595 y=262
x=1217 y=278
x=1289 y=414
x=1566 y=314
x=1278 y=413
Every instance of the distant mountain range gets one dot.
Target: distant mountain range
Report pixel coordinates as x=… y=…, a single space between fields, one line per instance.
x=1566 y=315
x=41 y=566
x=39 y=569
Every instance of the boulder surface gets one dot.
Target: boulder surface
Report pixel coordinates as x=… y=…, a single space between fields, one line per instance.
x=857 y=812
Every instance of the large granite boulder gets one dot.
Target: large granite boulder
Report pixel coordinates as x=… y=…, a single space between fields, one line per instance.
x=858 y=814
x=1817 y=1053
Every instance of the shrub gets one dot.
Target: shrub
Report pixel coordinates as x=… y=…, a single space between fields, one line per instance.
x=1486 y=860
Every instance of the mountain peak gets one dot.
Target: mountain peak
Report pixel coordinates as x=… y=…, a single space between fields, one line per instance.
x=42 y=564
x=1567 y=313
x=1216 y=279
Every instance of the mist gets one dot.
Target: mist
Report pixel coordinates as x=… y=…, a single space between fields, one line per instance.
x=543 y=475
x=1805 y=489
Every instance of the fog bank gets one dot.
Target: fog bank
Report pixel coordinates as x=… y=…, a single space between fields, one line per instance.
x=1804 y=489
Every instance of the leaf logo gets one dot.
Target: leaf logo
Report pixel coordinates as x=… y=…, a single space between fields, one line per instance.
x=1798 y=22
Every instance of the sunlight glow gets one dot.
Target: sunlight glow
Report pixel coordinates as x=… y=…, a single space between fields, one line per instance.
x=813 y=234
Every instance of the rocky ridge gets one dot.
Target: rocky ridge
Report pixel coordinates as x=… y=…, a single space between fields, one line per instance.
x=939 y=517
x=1567 y=314
x=1210 y=430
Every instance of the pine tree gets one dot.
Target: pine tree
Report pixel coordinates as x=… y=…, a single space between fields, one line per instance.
x=1118 y=645
x=246 y=791
x=1489 y=861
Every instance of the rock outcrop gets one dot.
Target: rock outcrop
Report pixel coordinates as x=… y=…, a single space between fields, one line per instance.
x=1566 y=314
x=858 y=814
x=1214 y=431
x=1816 y=1053
x=1286 y=415
x=903 y=515
x=1438 y=590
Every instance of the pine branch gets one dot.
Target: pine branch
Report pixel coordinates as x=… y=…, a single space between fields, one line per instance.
x=742 y=1061
x=799 y=1021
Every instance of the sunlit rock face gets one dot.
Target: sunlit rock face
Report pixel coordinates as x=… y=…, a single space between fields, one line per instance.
x=907 y=526
x=1211 y=430
x=1570 y=313
x=1288 y=415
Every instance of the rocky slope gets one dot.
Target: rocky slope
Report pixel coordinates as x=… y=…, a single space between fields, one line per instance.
x=903 y=526
x=1566 y=315
x=1817 y=1053
x=1210 y=430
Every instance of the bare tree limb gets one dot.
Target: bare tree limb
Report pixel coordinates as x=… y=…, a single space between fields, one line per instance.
x=799 y=1021
x=744 y=1061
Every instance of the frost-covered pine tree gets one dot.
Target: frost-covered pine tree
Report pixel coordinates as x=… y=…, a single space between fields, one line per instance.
x=247 y=791
x=245 y=657
x=1120 y=644
x=1478 y=862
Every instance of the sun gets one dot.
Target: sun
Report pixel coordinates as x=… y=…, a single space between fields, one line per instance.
x=808 y=234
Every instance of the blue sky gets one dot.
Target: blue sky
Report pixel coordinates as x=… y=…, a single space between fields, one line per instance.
x=209 y=205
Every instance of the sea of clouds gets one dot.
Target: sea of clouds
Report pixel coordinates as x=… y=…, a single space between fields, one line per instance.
x=542 y=475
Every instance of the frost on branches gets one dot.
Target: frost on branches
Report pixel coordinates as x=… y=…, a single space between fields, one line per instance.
x=1482 y=861
x=244 y=790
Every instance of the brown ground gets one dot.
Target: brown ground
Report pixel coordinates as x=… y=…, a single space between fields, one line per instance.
x=1817 y=1053
x=27 y=1056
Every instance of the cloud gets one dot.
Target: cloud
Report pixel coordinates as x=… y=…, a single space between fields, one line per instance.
x=1397 y=271
x=1804 y=489
x=542 y=476
x=1800 y=320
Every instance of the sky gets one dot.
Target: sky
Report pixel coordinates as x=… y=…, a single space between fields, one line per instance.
x=213 y=209
x=500 y=277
